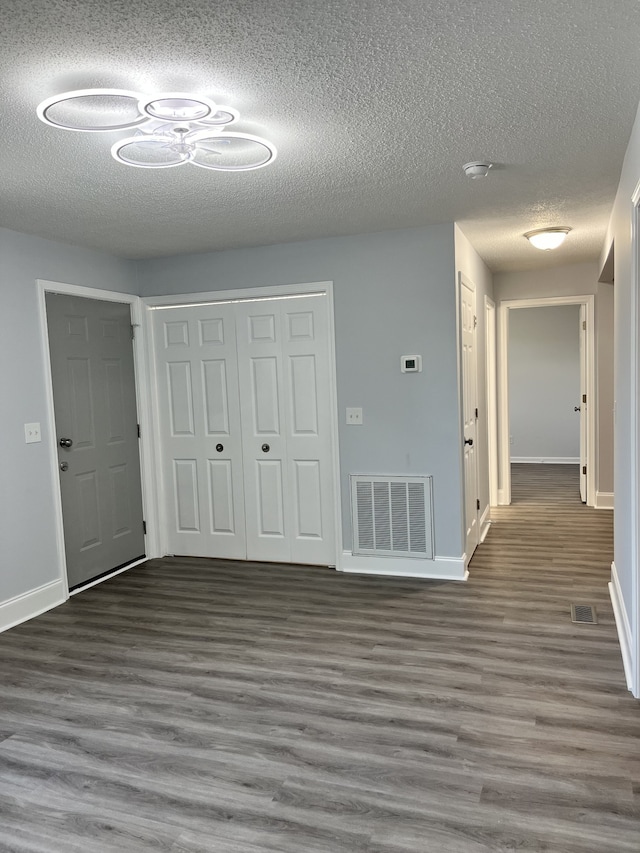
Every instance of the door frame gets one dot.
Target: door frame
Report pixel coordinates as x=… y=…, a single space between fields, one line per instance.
x=150 y=304
x=147 y=472
x=504 y=307
x=492 y=396
x=464 y=279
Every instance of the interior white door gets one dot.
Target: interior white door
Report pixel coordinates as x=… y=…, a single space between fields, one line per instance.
x=584 y=402
x=283 y=358
x=199 y=415
x=469 y=414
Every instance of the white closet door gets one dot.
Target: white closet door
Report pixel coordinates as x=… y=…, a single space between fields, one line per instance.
x=283 y=357
x=200 y=427
x=307 y=393
x=266 y=496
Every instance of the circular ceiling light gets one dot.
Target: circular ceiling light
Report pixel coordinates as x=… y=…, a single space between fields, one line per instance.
x=148 y=152
x=547 y=238
x=177 y=106
x=92 y=110
x=231 y=152
x=478 y=169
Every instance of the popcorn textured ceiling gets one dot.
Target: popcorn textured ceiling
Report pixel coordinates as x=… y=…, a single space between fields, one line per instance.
x=374 y=108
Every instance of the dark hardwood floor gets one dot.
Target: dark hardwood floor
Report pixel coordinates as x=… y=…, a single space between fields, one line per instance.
x=194 y=705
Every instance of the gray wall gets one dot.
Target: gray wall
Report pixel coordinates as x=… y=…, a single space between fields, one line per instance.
x=544 y=382
x=619 y=233
x=469 y=262
x=394 y=294
x=27 y=533
x=577 y=280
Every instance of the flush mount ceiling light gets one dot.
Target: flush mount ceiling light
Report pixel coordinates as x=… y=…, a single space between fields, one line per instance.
x=478 y=169
x=547 y=238
x=168 y=128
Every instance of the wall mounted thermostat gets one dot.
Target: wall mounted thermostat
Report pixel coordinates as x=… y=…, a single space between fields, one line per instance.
x=411 y=364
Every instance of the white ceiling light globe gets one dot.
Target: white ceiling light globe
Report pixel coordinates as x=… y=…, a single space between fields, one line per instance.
x=547 y=238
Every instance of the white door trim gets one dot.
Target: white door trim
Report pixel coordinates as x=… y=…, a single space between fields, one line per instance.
x=634 y=449
x=153 y=303
x=504 y=307
x=468 y=283
x=492 y=397
x=142 y=391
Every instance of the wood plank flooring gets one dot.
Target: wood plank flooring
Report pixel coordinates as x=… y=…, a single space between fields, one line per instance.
x=192 y=706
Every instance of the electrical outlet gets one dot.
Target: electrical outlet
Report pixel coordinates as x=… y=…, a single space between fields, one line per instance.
x=354 y=416
x=32 y=433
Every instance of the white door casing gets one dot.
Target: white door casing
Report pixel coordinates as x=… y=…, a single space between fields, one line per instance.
x=199 y=423
x=584 y=403
x=468 y=356
x=588 y=360
x=276 y=424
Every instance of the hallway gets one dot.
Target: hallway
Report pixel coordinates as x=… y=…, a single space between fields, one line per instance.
x=194 y=705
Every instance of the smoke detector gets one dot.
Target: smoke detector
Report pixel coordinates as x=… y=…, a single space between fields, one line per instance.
x=478 y=169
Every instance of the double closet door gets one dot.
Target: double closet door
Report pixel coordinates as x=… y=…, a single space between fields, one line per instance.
x=244 y=410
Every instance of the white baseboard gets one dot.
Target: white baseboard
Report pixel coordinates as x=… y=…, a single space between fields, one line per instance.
x=485 y=523
x=604 y=500
x=547 y=460
x=622 y=624
x=440 y=568
x=30 y=604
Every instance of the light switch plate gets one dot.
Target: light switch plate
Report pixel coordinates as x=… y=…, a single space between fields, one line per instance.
x=32 y=433
x=354 y=416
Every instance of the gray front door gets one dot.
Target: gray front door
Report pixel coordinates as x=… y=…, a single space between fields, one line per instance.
x=96 y=434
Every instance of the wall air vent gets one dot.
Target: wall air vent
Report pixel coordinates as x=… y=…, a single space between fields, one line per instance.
x=392 y=516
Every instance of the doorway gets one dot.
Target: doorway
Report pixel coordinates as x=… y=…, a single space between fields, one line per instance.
x=581 y=421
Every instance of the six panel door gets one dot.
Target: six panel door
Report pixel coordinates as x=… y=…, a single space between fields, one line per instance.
x=93 y=382
x=200 y=430
x=267 y=380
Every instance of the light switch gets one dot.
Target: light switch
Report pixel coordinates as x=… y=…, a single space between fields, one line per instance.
x=32 y=433
x=354 y=416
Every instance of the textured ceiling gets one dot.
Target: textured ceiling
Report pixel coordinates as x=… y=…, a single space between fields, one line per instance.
x=374 y=108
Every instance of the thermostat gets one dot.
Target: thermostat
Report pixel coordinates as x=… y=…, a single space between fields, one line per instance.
x=411 y=364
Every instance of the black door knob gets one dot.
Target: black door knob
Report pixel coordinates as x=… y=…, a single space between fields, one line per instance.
x=265 y=448
x=469 y=441
x=576 y=408
x=65 y=442
x=219 y=448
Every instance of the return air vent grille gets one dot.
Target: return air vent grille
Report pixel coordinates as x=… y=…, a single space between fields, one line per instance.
x=392 y=516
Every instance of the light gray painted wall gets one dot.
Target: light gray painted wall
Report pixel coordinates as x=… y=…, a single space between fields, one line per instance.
x=394 y=294
x=619 y=233
x=576 y=280
x=27 y=531
x=604 y=360
x=544 y=382
x=469 y=262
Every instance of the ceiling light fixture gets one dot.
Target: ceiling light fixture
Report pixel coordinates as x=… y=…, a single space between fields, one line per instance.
x=547 y=238
x=478 y=169
x=168 y=128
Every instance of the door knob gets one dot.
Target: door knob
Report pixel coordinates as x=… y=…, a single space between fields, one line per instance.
x=219 y=447
x=65 y=442
x=576 y=408
x=64 y=466
x=469 y=441
x=265 y=448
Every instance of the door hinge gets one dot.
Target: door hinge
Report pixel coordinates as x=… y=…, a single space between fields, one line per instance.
x=133 y=331
x=584 y=398
x=584 y=326
x=584 y=469
x=138 y=425
x=476 y=412
x=475 y=321
x=144 y=527
x=478 y=499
